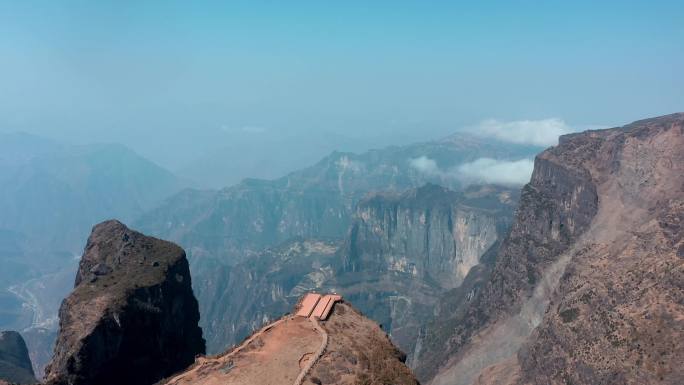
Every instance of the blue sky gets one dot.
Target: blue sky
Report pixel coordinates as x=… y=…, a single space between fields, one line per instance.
x=178 y=73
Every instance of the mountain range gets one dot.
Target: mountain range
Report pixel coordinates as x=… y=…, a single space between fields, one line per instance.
x=242 y=234
x=52 y=193
x=575 y=278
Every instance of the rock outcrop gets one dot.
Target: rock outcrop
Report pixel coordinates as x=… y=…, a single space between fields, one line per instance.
x=132 y=317
x=587 y=287
x=15 y=364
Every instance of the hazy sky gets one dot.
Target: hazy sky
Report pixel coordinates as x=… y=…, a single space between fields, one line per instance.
x=177 y=80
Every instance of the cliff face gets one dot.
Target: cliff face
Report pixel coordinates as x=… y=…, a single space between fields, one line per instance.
x=346 y=349
x=587 y=285
x=132 y=317
x=618 y=316
x=405 y=251
x=15 y=364
x=431 y=232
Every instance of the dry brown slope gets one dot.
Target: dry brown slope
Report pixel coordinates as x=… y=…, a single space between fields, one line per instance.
x=618 y=316
x=594 y=260
x=358 y=353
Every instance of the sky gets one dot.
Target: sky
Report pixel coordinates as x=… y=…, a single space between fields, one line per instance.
x=179 y=80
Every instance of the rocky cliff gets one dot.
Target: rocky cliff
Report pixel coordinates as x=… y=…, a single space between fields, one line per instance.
x=587 y=287
x=131 y=318
x=15 y=364
x=431 y=232
x=404 y=251
x=346 y=348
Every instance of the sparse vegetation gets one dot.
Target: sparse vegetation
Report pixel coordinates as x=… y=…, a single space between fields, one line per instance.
x=569 y=315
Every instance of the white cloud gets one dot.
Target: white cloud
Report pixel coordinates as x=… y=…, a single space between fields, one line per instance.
x=425 y=165
x=543 y=132
x=482 y=170
x=487 y=170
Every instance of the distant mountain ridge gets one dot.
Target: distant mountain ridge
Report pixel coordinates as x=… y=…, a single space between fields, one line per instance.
x=315 y=202
x=70 y=187
x=50 y=195
x=227 y=231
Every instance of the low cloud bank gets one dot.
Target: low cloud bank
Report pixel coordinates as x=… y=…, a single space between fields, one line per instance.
x=482 y=170
x=425 y=165
x=542 y=133
x=487 y=170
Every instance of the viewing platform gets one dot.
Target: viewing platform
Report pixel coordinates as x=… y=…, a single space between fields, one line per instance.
x=316 y=305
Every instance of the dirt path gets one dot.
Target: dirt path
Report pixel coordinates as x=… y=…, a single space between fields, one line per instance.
x=280 y=353
x=319 y=352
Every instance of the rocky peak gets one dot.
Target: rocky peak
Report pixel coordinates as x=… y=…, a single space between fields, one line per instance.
x=132 y=317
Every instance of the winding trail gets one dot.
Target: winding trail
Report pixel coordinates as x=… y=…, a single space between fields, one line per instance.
x=319 y=352
x=28 y=300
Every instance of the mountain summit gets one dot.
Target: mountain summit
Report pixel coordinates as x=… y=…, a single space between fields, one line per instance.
x=326 y=341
